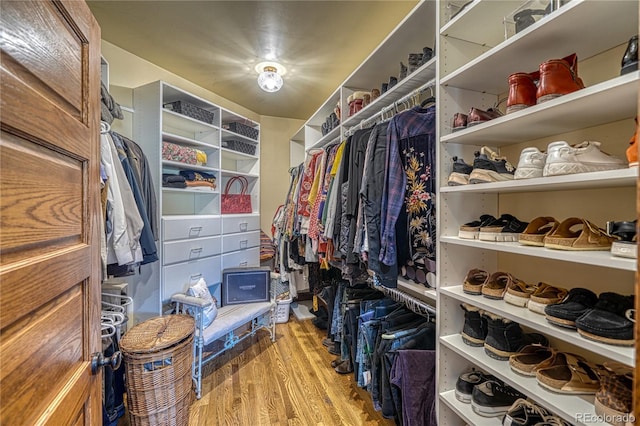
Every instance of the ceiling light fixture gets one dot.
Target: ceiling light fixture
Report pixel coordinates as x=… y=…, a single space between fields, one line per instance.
x=270 y=76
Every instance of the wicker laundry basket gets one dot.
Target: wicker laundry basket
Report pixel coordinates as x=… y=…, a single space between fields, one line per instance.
x=158 y=356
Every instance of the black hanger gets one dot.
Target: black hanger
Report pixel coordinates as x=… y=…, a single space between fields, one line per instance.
x=429 y=100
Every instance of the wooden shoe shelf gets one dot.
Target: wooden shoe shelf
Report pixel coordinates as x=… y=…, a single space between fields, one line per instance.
x=474 y=62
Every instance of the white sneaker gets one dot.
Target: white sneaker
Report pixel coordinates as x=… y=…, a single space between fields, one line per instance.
x=585 y=157
x=530 y=164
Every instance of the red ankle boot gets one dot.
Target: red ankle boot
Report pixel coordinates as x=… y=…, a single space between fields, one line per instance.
x=632 y=151
x=558 y=77
x=522 y=91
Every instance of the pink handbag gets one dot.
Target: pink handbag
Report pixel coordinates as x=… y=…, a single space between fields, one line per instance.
x=236 y=203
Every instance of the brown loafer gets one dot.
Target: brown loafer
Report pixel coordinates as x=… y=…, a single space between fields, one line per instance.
x=478 y=116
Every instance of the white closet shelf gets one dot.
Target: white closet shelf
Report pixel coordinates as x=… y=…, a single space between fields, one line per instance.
x=404 y=87
x=594 y=258
x=607 y=179
x=230 y=173
x=236 y=155
x=605 y=102
x=423 y=293
x=487 y=14
x=332 y=136
x=195 y=190
x=170 y=137
x=466 y=412
x=545 y=40
x=537 y=322
x=184 y=166
x=173 y=120
x=229 y=135
x=565 y=406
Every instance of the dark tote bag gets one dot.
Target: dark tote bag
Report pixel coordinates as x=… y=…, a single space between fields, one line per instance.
x=236 y=203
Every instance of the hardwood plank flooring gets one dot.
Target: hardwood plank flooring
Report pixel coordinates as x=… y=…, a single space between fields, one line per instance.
x=289 y=382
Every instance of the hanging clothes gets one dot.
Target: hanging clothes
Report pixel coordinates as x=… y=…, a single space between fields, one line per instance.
x=408 y=216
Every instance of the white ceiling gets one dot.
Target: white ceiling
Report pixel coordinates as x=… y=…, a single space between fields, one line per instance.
x=216 y=44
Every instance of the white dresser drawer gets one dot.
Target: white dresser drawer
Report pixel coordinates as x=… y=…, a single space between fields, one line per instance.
x=240 y=223
x=183 y=227
x=249 y=257
x=241 y=241
x=193 y=249
x=177 y=278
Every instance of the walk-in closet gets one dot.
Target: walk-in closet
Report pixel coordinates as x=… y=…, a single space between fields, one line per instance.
x=403 y=212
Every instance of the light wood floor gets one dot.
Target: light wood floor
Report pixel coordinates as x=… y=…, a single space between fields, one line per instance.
x=289 y=382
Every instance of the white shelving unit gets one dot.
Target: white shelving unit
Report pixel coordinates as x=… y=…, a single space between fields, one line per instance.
x=196 y=240
x=474 y=62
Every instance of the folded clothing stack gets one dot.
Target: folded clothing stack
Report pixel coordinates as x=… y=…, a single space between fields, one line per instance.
x=173 y=181
x=196 y=178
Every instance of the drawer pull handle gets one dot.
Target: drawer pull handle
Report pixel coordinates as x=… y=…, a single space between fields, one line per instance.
x=195 y=230
x=244 y=226
x=195 y=252
x=244 y=243
x=194 y=277
x=244 y=263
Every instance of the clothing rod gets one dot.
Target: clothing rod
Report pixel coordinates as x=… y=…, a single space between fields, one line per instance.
x=416 y=305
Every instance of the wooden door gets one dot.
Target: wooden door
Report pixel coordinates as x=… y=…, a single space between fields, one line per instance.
x=49 y=213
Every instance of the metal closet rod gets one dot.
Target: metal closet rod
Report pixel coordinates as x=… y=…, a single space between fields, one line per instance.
x=416 y=305
x=393 y=107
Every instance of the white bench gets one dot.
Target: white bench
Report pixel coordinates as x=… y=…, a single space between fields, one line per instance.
x=261 y=315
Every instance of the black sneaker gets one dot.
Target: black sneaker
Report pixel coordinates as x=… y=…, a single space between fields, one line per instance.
x=467 y=381
x=506 y=338
x=493 y=398
x=507 y=228
x=610 y=321
x=524 y=413
x=474 y=330
x=489 y=167
x=459 y=172
x=577 y=303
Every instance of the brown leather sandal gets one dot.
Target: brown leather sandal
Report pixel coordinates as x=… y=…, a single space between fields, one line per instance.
x=532 y=358
x=537 y=229
x=587 y=237
x=570 y=374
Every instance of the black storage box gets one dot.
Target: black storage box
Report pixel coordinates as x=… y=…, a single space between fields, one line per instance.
x=190 y=110
x=241 y=129
x=240 y=146
x=245 y=285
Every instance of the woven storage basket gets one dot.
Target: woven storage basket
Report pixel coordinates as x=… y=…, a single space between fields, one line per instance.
x=242 y=129
x=190 y=110
x=240 y=146
x=158 y=356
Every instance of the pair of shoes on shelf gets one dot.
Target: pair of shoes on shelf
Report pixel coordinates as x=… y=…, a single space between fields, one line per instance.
x=534 y=297
x=627 y=245
x=506 y=228
x=559 y=372
x=574 y=234
x=527 y=413
x=608 y=318
x=554 y=78
x=564 y=159
x=500 y=337
x=492 y=286
x=487 y=167
x=489 y=397
x=474 y=117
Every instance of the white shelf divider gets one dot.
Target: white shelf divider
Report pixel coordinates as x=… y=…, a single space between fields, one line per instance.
x=594 y=258
x=606 y=179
